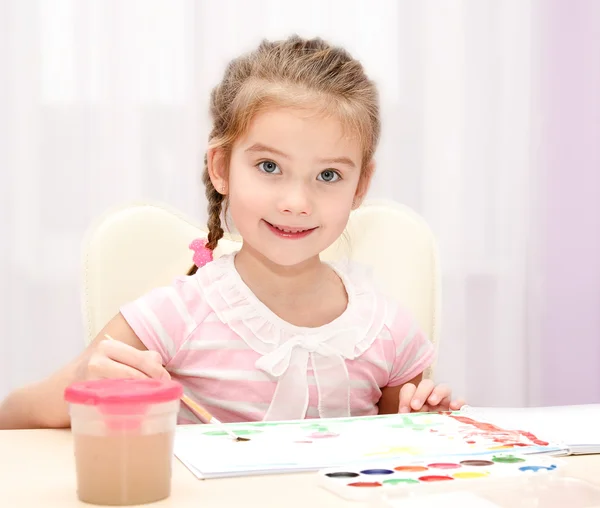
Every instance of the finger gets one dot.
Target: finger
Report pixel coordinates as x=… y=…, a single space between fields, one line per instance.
x=440 y=392
x=148 y=362
x=406 y=394
x=455 y=405
x=444 y=404
x=425 y=408
x=422 y=394
x=102 y=367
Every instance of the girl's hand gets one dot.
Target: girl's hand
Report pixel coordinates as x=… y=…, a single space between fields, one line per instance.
x=116 y=359
x=427 y=397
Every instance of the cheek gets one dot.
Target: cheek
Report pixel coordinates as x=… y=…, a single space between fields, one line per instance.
x=246 y=203
x=243 y=206
x=337 y=211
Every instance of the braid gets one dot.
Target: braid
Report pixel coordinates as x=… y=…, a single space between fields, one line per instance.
x=215 y=205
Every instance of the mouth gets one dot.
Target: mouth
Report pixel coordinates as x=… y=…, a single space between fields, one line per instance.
x=289 y=231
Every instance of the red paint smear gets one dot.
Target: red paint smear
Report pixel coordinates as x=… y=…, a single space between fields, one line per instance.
x=434 y=478
x=501 y=435
x=365 y=484
x=470 y=442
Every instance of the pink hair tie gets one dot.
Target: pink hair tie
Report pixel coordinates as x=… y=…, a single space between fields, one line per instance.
x=202 y=255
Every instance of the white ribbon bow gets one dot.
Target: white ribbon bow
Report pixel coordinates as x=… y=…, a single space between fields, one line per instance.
x=289 y=363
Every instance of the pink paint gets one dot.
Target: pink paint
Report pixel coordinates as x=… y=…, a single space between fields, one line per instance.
x=322 y=435
x=444 y=465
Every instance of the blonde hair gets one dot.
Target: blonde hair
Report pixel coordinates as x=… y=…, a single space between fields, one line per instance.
x=293 y=72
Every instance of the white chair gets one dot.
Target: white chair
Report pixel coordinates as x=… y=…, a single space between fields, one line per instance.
x=142 y=246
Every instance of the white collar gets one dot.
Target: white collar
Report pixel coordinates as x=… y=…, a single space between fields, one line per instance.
x=286 y=349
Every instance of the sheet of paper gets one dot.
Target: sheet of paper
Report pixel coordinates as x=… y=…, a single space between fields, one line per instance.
x=309 y=445
x=577 y=426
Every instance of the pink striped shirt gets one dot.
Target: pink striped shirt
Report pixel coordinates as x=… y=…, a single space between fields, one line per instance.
x=244 y=363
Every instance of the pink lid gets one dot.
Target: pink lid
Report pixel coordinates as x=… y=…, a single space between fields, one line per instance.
x=123 y=391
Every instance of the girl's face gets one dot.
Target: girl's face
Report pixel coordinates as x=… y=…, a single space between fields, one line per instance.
x=293 y=179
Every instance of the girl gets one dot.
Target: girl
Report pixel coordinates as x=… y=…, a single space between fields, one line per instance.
x=270 y=332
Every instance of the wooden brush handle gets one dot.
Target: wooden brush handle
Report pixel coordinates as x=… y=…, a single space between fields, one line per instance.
x=197 y=408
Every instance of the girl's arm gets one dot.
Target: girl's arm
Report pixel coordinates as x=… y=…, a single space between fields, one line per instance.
x=389 y=403
x=41 y=404
x=418 y=394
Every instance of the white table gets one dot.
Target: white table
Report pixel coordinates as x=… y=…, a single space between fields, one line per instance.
x=37 y=471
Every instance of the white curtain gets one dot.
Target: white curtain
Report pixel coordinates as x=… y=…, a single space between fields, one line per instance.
x=103 y=102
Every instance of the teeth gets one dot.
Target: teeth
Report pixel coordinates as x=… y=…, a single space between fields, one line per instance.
x=291 y=231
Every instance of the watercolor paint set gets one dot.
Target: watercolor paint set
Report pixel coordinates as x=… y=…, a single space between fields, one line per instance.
x=395 y=477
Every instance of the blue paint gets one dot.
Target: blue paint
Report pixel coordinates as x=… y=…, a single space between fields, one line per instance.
x=377 y=471
x=535 y=469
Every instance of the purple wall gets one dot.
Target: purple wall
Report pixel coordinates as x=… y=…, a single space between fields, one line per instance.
x=568 y=155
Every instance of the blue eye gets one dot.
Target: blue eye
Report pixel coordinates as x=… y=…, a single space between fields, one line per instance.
x=269 y=167
x=329 y=175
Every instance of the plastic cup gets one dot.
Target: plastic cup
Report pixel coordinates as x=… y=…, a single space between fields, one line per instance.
x=123 y=431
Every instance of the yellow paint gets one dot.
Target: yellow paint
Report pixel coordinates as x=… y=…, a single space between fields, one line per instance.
x=471 y=474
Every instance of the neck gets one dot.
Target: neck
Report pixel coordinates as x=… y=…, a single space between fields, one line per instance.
x=267 y=278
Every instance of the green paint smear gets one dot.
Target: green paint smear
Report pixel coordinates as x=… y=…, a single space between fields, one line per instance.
x=270 y=424
x=408 y=422
x=396 y=481
x=325 y=425
x=241 y=432
x=316 y=428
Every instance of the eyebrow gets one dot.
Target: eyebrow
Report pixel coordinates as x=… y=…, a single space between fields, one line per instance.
x=259 y=147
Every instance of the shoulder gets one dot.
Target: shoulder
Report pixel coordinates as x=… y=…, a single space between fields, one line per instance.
x=190 y=298
x=396 y=320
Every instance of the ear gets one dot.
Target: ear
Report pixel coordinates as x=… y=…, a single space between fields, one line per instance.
x=363 y=184
x=216 y=163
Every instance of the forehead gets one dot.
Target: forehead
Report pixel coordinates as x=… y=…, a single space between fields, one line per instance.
x=302 y=132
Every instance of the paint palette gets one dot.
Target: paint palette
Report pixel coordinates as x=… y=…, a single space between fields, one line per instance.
x=389 y=478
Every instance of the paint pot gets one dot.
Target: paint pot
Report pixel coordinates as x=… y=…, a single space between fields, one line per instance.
x=468 y=475
x=410 y=469
x=434 y=478
x=477 y=463
x=123 y=431
x=377 y=471
x=400 y=481
x=444 y=465
x=342 y=474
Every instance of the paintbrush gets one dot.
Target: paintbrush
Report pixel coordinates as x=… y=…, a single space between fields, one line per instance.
x=206 y=417
x=202 y=413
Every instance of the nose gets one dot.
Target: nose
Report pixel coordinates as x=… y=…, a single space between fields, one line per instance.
x=295 y=200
